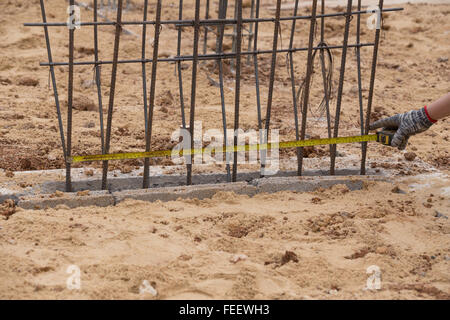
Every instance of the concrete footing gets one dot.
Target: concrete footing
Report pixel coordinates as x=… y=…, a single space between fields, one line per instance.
x=250 y=188
x=69 y=199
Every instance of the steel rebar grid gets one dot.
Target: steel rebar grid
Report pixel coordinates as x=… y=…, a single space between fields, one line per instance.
x=219 y=56
x=112 y=92
x=309 y=67
x=151 y=103
x=237 y=93
x=211 y=56
x=53 y=77
x=294 y=96
x=211 y=22
x=98 y=80
x=340 y=87
x=371 y=88
x=70 y=103
x=271 y=82
x=193 y=88
x=223 y=4
x=144 y=71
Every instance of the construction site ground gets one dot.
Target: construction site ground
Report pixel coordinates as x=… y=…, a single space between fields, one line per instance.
x=285 y=245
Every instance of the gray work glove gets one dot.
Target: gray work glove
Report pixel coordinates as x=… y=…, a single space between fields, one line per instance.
x=406 y=124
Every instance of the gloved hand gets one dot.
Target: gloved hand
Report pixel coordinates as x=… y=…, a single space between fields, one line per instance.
x=406 y=124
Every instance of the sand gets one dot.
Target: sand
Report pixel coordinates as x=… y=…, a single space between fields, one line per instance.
x=187 y=249
x=296 y=245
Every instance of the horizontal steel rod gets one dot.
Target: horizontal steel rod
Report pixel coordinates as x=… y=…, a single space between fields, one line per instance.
x=212 y=56
x=182 y=23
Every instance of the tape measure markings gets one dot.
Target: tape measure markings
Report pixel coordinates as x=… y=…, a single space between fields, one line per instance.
x=228 y=149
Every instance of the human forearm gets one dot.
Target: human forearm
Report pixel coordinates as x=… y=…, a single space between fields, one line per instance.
x=440 y=108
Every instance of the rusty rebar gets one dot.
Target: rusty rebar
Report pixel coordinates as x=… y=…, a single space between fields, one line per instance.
x=151 y=102
x=98 y=80
x=53 y=77
x=70 y=103
x=340 y=87
x=179 y=70
x=112 y=92
x=187 y=23
x=193 y=88
x=144 y=71
x=212 y=56
x=237 y=91
x=294 y=96
x=271 y=82
x=309 y=68
x=371 y=88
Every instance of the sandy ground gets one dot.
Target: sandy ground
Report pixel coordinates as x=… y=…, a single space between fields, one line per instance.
x=298 y=245
x=185 y=249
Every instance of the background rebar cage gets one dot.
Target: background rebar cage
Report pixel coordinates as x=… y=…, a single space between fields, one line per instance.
x=230 y=43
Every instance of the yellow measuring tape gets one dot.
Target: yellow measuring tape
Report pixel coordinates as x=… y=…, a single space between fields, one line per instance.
x=228 y=149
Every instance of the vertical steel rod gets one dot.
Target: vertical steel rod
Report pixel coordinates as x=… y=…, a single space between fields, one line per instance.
x=151 y=102
x=371 y=88
x=309 y=68
x=326 y=84
x=52 y=74
x=193 y=87
x=112 y=92
x=358 y=65
x=98 y=79
x=271 y=81
x=256 y=67
x=205 y=39
x=144 y=72
x=250 y=32
x=294 y=96
x=180 y=75
x=237 y=92
x=223 y=4
x=69 y=104
x=341 y=86
x=326 y=91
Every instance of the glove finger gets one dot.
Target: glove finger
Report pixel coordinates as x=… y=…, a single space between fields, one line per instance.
x=399 y=137
x=402 y=146
x=391 y=122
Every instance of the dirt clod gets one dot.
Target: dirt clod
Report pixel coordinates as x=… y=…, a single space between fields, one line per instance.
x=289 y=256
x=82 y=103
x=7 y=208
x=27 y=81
x=410 y=156
x=9 y=174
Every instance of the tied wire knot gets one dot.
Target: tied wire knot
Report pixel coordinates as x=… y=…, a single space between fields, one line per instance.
x=120 y=25
x=322 y=46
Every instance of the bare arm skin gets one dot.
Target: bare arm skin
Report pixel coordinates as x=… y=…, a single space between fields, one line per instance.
x=440 y=108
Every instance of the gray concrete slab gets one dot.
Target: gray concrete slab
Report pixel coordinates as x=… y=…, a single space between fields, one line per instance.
x=306 y=184
x=173 y=180
x=170 y=188
x=71 y=200
x=186 y=192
